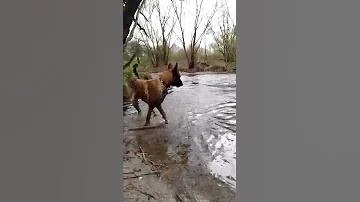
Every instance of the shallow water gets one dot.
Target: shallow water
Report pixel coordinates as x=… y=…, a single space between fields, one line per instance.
x=202 y=113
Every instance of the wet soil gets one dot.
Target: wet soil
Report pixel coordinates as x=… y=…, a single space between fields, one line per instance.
x=195 y=154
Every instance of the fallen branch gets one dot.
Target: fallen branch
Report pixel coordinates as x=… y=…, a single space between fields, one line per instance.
x=145 y=127
x=137 y=176
x=143 y=155
x=147 y=194
x=179 y=198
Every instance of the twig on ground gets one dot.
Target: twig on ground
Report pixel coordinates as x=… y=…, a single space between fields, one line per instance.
x=147 y=194
x=127 y=158
x=145 y=174
x=163 y=174
x=179 y=198
x=143 y=155
x=145 y=127
x=124 y=173
x=166 y=172
x=196 y=199
x=154 y=164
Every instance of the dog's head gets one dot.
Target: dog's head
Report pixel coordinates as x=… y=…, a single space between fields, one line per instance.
x=172 y=76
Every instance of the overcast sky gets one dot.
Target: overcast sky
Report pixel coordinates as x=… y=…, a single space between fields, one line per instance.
x=189 y=7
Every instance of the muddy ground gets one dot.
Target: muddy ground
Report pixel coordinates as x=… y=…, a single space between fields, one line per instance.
x=193 y=157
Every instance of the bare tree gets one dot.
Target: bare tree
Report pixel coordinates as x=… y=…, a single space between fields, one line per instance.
x=151 y=41
x=225 y=39
x=207 y=32
x=158 y=40
x=197 y=34
x=166 y=20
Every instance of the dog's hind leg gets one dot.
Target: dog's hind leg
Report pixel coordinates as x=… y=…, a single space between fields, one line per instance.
x=136 y=104
x=162 y=112
x=148 y=116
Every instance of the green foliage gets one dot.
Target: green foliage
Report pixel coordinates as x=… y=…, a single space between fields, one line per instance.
x=157 y=55
x=128 y=74
x=131 y=49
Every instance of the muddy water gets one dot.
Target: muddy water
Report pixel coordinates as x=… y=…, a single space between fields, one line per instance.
x=198 y=146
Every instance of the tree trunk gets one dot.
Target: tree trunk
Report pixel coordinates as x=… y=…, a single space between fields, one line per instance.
x=167 y=56
x=128 y=13
x=205 y=59
x=164 y=46
x=192 y=51
x=192 y=60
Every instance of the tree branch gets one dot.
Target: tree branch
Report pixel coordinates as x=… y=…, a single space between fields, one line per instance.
x=136 y=22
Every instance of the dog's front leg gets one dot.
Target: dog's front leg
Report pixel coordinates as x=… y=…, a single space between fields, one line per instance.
x=151 y=108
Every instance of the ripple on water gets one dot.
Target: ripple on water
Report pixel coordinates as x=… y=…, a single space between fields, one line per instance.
x=220 y=139
x=223 y=164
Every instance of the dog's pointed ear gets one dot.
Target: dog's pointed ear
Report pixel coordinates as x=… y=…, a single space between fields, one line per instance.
x=169 y=66
x=175 y=69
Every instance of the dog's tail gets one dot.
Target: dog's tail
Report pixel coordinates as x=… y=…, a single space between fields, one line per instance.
x=135 y=71
x=132 y=81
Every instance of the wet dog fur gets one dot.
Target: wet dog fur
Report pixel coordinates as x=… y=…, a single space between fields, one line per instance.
x=154 y=91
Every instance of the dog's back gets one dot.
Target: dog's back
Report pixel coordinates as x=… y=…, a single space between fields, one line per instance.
x=150 y=91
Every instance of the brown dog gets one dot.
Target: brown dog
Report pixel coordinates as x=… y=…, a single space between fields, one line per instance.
x=154 y=91
x=147 y=76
